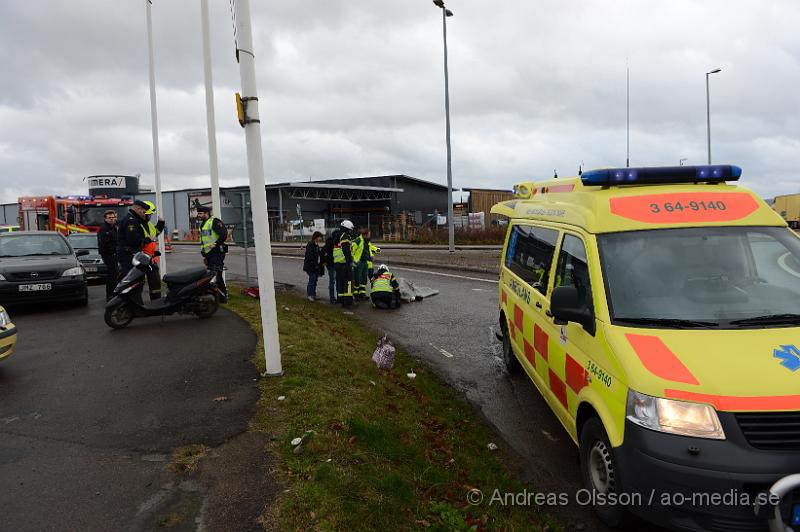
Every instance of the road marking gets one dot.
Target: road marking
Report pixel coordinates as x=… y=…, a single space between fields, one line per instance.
x=785 y=267
x=549 y=436
x=442 y=351
x=477 y=289
x=494 y=281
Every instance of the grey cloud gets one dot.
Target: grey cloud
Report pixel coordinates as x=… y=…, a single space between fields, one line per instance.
x=357 y=89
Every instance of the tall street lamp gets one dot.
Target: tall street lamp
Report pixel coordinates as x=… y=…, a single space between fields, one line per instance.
x=450 y=227
x=708 y=111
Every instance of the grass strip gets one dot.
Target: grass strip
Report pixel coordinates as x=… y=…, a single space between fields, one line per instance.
x=380 y=451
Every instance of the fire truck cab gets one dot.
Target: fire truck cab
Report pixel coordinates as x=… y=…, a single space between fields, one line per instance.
x=67 y=214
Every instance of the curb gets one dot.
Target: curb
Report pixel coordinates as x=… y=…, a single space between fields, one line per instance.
x=471 y=269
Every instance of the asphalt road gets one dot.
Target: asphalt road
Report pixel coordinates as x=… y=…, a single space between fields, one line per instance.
x=453 y=332
x=89 y=416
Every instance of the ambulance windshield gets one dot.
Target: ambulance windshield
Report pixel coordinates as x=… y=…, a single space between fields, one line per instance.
x=92 y=215
x=719 y=277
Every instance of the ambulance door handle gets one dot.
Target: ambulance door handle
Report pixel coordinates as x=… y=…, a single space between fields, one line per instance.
x=538 y=305
x=548 y=313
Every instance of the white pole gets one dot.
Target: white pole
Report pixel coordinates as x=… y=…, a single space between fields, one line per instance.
x=708 y=118
x=212 y=126
x=154 y=124
x=258 y=193
x=627 y=115
x=450 y=225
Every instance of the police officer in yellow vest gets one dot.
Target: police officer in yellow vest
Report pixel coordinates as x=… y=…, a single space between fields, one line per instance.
x=213 y=234
x=385 y=291
x=343 y=263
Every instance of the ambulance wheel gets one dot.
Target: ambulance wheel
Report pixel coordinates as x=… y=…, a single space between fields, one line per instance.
x=599 y=472
x=118 y=317
x=509 y=359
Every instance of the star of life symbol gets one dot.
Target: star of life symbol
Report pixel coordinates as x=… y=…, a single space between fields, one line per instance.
x=789 y=355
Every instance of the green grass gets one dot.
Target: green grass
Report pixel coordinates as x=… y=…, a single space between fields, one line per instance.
x=396 y=454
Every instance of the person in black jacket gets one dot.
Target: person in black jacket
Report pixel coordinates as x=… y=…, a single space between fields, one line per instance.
x=107 y=247
x=312 y=265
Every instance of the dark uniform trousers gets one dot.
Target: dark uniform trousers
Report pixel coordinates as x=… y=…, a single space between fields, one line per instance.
x=344 y=283
x=215 y=261
x=154 y=282
x=386 y=300
x=112 y=274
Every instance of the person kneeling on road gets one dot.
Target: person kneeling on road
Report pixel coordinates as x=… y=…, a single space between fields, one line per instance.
x=385 y=292
x=213 y=248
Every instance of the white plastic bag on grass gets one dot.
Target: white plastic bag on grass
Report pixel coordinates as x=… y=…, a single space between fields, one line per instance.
x=384 y=354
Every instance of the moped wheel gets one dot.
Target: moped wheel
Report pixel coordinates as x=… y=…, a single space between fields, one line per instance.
x=118 y=317
x=207 y=309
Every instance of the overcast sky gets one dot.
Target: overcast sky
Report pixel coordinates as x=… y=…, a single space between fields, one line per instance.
x=356 y=88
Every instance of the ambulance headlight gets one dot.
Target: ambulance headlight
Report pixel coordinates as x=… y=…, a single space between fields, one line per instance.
x=5 y=319
x=674 y=417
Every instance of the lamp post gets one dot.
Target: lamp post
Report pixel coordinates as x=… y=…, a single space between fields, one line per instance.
x=450 y=227
x=708 y=111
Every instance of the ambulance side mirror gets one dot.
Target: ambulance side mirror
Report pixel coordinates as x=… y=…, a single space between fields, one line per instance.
x=564 y=307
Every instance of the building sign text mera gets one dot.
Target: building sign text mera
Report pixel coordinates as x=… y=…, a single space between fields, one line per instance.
x=106 y=182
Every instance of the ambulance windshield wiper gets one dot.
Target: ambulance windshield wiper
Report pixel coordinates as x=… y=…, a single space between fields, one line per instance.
x=674 y=323
x=769 y=319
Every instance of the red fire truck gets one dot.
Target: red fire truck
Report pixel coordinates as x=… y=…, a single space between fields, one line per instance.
x=67 y=214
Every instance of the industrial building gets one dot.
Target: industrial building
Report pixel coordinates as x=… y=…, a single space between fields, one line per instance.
x=298 y=208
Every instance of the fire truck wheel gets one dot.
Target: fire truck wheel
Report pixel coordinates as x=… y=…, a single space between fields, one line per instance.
x=118 y=317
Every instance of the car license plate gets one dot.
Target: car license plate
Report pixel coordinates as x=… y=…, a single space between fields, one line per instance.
x=90 y=268
x=35 y=287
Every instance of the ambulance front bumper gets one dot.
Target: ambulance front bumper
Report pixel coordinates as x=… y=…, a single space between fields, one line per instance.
x=698 y=484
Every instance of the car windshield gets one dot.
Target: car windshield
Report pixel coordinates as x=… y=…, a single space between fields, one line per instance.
x=718 y=277
x=83 y=241
x=93 y=215
x=22 y=245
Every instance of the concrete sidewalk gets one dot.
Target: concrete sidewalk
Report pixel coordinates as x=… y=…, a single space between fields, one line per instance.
x=90 y=417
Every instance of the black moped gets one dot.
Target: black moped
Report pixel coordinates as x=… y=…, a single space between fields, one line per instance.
x=190 y=291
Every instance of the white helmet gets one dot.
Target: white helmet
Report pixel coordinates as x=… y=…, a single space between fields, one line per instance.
x=347 y=224
x=383 y=267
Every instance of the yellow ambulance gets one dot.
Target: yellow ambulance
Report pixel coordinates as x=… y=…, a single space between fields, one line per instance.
x=657 y=310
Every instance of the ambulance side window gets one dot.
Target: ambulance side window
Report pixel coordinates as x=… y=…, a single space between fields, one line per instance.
x=530 y=254
x=573 y=269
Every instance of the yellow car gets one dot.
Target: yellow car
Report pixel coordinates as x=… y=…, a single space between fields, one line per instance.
x=8 y=335
x=657 y=311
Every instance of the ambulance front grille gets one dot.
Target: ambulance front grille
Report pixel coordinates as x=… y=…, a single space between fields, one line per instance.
x=771 y=431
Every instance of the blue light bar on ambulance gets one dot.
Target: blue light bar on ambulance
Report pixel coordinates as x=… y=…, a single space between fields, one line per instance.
x=662 y=174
